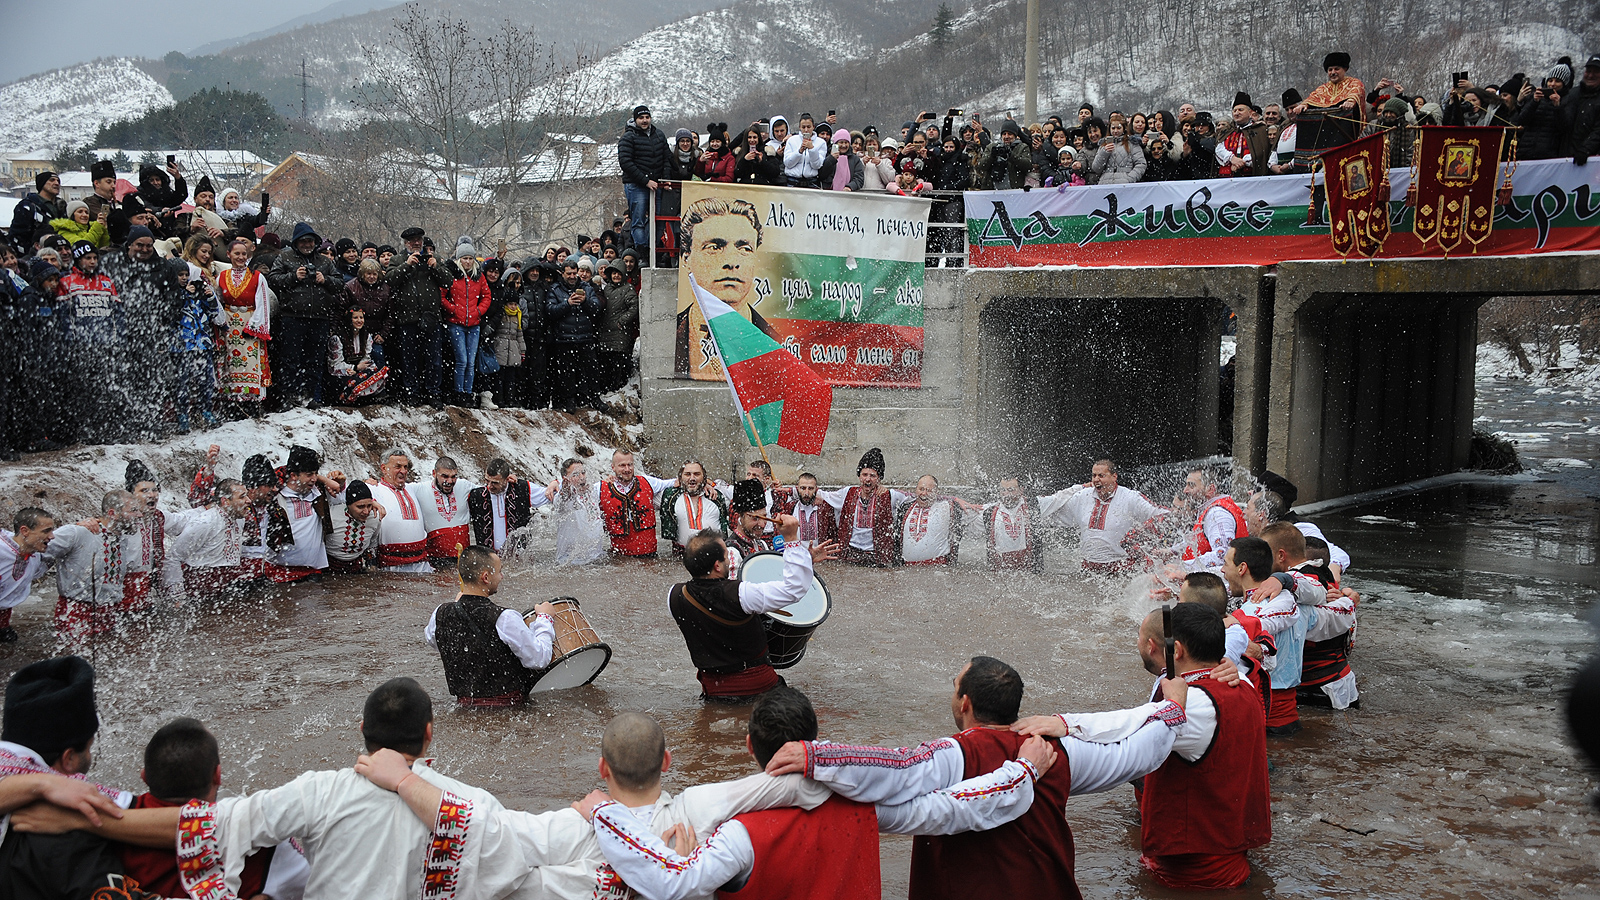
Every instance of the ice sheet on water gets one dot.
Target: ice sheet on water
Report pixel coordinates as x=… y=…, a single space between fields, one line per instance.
x=1562 y=462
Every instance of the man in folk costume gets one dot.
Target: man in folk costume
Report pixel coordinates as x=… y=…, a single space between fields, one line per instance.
x=264 y=530
x=1275 y=607
x=403 y=546
x=1324 y=672
x=1105 y=513
x=774 y=853
x=928 y=529
x=22 y=560
x=627 y=503
x=748 y=535
x=1208 y=803
x=780 y=500
x=208 y=542
x=1275 y=503
x=1009 y=529
x=818 y=521
x=1246 y=150
x=868 y=511
x=144 y=546
x=488 y=651
x=357 y=530
x=1029 y=857
x=721 y=618
x=502 y=505
x=1219 y=523
x=687 y=508
x=444 y=513
x=304 y=501
x=1348 y=94
x=49 y=728
x=90 y=571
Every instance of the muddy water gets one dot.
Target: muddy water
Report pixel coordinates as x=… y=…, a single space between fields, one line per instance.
x=1453 y=779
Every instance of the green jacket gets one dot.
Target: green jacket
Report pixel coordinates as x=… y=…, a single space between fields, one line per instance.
x=95 y=232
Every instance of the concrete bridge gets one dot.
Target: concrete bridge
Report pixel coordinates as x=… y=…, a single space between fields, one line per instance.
x=1348 y=376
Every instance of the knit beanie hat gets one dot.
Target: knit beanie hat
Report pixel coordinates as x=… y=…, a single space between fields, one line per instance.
x=80 y=249
x=842 y=134
x=40 y=179
x=139 y=231
x=50 y=705
x=1562 y=70
x=356 y=491
x=1397 y=106
x=464 y=247
x=682 y=133
x=74 y=205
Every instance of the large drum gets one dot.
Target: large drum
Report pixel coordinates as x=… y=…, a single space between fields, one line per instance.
x=789 y=628
x=578 y=654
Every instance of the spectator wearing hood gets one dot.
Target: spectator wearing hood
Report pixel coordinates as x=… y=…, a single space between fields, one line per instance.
x=574 y=310
x=1200 y=148
x=78 y=226
x=538 y=280
x=307 y=285
x=152 y=292
x=1540 y=113
x=1581 y=112
x=619 y=320
x=240 y=216
x=642 y=155
x=346 y=258
x=803 y=155
x=32 y=217
x=842 y=170
x=466 y=301
x=163 y=195
x=507 y=338
x=778 y=131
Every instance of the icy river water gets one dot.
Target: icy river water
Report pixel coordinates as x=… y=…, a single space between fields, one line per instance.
x=1454 y=779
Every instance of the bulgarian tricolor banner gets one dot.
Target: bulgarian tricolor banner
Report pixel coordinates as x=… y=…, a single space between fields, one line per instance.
x=780 y=400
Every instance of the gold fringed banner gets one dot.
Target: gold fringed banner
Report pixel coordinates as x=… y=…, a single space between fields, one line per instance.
x=1456 y=185
x=1357 y=180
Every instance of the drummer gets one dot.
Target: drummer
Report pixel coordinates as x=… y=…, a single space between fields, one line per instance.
x=721 y=619
x=481 y=670
x=749 y=534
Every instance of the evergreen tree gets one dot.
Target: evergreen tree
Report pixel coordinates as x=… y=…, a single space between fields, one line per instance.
x=121 y=162
x=943 y=26
x=149 y=158
x=73 y=159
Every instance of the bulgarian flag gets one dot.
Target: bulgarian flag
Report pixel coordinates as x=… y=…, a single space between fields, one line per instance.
x=780 y=400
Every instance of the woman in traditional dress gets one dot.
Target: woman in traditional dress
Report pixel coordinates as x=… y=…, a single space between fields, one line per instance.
x=350 y=362
x=245 y=373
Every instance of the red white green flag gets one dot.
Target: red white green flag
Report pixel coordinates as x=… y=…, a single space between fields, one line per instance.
x=779 y=397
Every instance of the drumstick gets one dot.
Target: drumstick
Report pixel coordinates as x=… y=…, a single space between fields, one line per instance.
x=762 y=518
x=1166 y=634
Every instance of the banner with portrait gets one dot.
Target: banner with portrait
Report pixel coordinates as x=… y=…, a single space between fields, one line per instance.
x=1457 y=174
x=834 y=277
x=1358 y=195
x=1554 y=208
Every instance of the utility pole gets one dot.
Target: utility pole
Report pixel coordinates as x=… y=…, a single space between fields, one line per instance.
x=1030 y=102
x=304 y=79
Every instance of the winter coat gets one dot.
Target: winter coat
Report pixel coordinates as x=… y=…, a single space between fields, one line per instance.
x=716 y=166
x=156 y=199
x=153 y=296
x=508 y=341
x=414 y=291
x=571 y=324
x=466 y=299
x=1202 y=159
x=1580 y=110
x=877 y=176
x=1016 y=159
x=766 y=170
x=831 y=166
x=117 y=223
x=1541 y=129
x=1116 y=164
x=1167 y=168
x=372 y=299
x=954 y=172
x=536 y=318
x=620 y=318
x=95 y=232
x=305 y=299
x=642 y=155
x=32 y=219
x=678 y=168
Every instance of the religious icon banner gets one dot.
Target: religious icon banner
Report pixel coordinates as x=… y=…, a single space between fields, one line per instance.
x=1457 y=170
x=834 y=277
x=1358 y=194
x=1554 y=208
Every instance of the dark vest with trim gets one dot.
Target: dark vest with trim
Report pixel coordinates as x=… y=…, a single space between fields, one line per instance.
x=722 y=637
x=476 y=662
x=519 y=512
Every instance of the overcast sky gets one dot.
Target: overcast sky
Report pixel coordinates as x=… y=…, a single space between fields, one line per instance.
x=105 y=28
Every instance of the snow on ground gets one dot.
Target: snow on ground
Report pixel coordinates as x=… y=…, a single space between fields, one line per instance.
x=68 y=106
x=70 y=482
x=1573 y=373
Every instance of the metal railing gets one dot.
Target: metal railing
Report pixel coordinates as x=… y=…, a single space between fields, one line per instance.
x=946 y=241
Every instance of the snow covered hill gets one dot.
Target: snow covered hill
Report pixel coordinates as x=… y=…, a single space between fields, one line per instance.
x=68 y=106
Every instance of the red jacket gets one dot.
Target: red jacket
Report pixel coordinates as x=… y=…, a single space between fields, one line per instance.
x=465 y=301
x=718 y=167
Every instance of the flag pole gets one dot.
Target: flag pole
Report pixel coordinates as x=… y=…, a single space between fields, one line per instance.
x=727 y=376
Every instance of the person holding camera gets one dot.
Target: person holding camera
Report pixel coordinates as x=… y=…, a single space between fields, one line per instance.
x=307 y=285
x=752 y=163
x=1540 y=113
x=1119 y=160
x=803 y=155
x=1004 y=165
x=415 y=316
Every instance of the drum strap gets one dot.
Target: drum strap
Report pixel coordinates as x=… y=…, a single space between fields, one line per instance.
x=709 y=614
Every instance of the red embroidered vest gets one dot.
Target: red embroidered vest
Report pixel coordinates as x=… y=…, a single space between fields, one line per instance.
x=882 y=511
x=820 y=854
x=1031 y=856
x=630 y=517
x=1219 y=803
x=1203 y=543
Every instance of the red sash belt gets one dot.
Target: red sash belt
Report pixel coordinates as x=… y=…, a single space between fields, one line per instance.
x=442 y=543
x=402 y=554
x=936 y=561
x=748 y=683
x=135 y=592
x=513 y=699
x=290 y=574
x=1014 y=559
